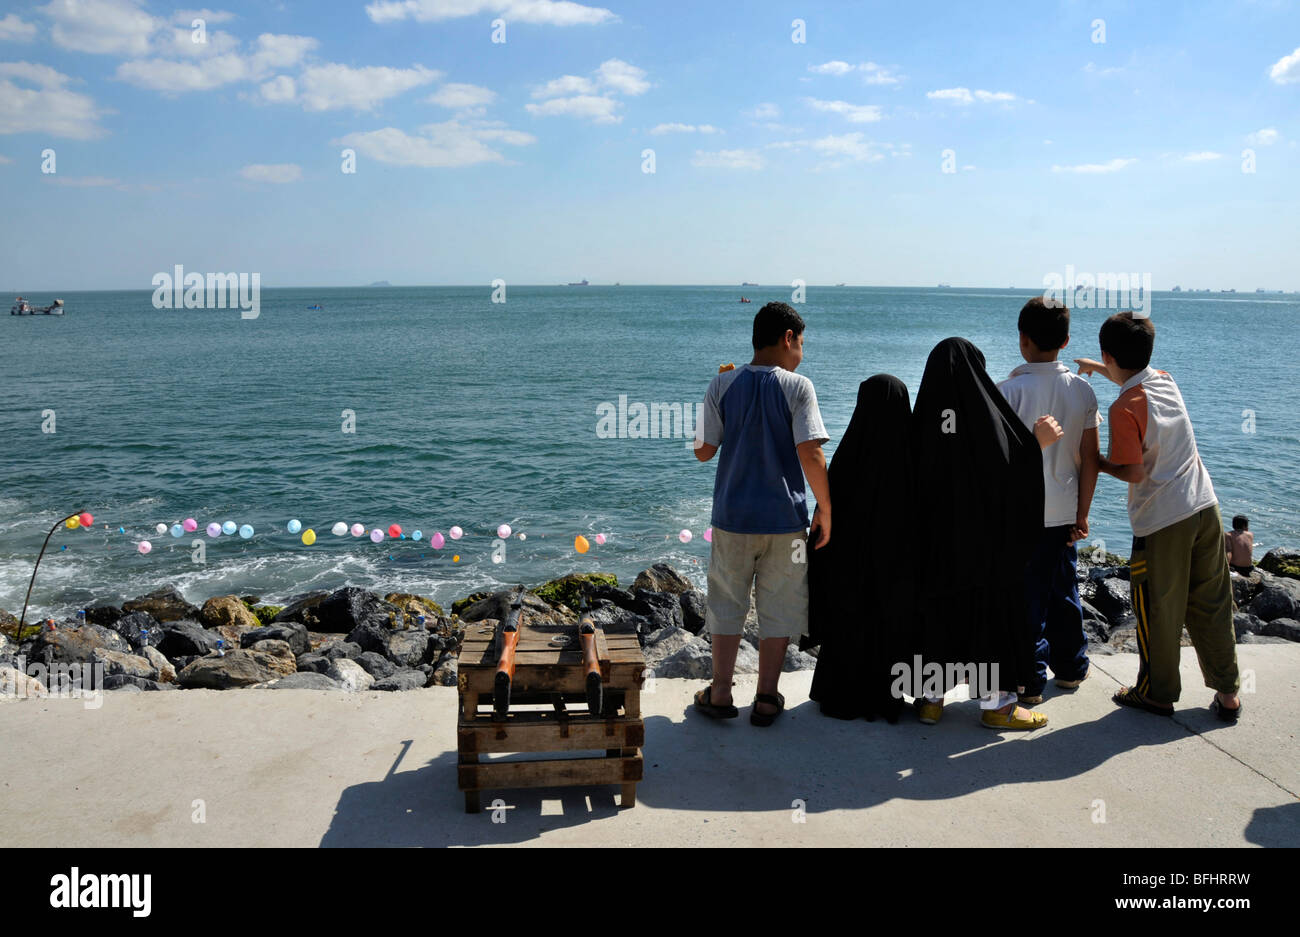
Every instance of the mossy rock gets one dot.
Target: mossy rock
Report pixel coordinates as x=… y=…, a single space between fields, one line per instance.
x=1098 y=557
x=265 y=613
x=415 y=604
x=568 y=590
x=460 y=605
x=1282 y=562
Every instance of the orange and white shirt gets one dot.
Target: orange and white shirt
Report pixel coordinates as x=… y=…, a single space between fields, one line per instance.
x=1149 y=426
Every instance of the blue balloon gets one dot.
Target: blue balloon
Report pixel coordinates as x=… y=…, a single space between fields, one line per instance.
x=178 y=530
x=416 y=535
x=246 y=531
x=121 y=530
x=295 y=525
x=228 y=528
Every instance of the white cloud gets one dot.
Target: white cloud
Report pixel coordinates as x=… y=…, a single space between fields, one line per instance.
x=831 y=68
x=180 y=42
x=565 y=85
x=220 y=65
x=849 y=146
x=12 y=29
x=462 y=96
x=1265 y=137
x=661 y=129
x=728 y=159
x=765 y=111
x=49 y=107
x=595 y=108
x=279 y=89
x=101 y=26
x=185 y=17
x=547 y=12
x=853 y=113
x=1286 y=70
x=968 y=169
x=1115 y=165
x=437 y=146
x=964 y=96
x=622 y=77
x=272 y=172
x=1092 y=69
x=1202 y=157
x=337 y=87
x=872 y=73
x=988 y=97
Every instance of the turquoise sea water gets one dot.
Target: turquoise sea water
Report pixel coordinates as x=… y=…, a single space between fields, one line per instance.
x=476 y=414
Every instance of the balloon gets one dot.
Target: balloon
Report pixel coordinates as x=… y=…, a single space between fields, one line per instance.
x=86 y=518
x=246 y=531
x=600 y=539
x=523 y=536
x=178 y=530
x=456 y=558
x=161 y=528
x=394 y=530
x=72 y=523
x=145 y=546
x=503 y=531
x=121 y=530
x=339 y=529
x=309 y=536
x=416 y=535
x=214 y=529
x=437 y=540
x=376 y=535
x=685 y=536
x=456 y=533
x=190 y=524
x=580 y=544
x=708 y=534
x=229 y=527
x=295 y=525
x=357 y=530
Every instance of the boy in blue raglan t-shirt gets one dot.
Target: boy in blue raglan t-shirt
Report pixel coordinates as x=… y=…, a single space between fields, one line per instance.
x=764 y=420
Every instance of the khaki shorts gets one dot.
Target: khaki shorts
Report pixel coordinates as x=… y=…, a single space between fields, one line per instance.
x=779 y=562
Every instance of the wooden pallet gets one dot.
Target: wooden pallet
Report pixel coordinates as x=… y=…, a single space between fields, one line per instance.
x=549 y=673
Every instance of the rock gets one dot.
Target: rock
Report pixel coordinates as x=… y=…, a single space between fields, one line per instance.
x=693 y=661
x=661 y=578
x=313 y=663
x=226 y=610
x=569 y=590
x=238 y=668
x=663 y=609
x=341 y=612
x=127 y=687
x=350 y=674
x=278 y=649
x=1287 y=628
x=186 y=639
x=231 y=636
x=116 y=662
x=445 y=673
x=302 y=608
x=370 y=636
x=73 y=644
x=1112 y=598
x=104 y=615
x=1245 y=623
x=1262 y=639
x=664 y=643
x=14 y=684
x=414 y=605
x=291 y=632
x=461 y=604
x=1244 y=588
x=122 y=681
x=377 y=665
x=746 y=658
x=166 y=604
x=138 y=628
x=166 y=673
x=402 y=680
x=407 y=649
x=1277 y=598
x=796 y=659
x=497 y=604
x=265 y=614
x=613 y=619
x=694 y=610
x=1282 y=562
x=302 y=680
x=1098 y=573
x=343 y=649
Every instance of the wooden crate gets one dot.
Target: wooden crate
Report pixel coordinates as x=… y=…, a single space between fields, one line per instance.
x=550 y=674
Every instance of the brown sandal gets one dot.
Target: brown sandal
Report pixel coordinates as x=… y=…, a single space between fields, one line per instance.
x=757 y=718
x=705 y=705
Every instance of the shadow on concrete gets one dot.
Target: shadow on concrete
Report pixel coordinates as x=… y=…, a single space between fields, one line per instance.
x=1275 y=826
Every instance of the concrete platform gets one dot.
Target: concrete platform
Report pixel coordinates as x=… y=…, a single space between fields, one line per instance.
x=307 y=768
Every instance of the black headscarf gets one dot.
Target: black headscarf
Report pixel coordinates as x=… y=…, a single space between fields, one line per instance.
x=979 y=514
x=860 y=584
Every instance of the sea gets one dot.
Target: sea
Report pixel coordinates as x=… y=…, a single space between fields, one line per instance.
x=433 y=408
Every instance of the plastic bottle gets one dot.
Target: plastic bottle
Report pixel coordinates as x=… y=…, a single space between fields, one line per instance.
x=221 y=648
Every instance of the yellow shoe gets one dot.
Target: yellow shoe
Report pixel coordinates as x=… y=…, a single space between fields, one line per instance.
x=929 y=713
x=1013 y=720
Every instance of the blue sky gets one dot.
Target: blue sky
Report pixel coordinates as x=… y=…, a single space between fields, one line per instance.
x=774 y=159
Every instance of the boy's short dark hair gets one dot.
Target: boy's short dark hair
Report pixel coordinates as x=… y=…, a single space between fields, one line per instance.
x=773 y=321
x=1241 y=522
x=1046 y=322
x=1128 y=339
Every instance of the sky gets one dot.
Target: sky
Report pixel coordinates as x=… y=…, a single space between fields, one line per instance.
x=985 y=144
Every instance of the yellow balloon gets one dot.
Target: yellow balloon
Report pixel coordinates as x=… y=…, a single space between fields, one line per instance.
x=580 y=544
x=309 y=536
x=456 y=558
x=72 y=523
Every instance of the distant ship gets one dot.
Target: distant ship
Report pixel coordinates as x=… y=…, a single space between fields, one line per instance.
x=1176 y=289
x=749 y=284
x=839 y=284
x=22 y=307
x=583 y=283
x=381 y=283
x=944 y=286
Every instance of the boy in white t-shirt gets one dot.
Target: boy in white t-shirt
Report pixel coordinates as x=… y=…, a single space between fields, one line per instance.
x=1045 y=385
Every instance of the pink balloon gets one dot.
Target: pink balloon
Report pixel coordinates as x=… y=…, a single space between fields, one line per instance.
x=600 y=538
x=376 y=535
x=437 y=540
x=504 y=531
x=357 y=530
x=190 y=524
x=456 y=533
x=708 y=534
x=145 y=546
x=685 y=536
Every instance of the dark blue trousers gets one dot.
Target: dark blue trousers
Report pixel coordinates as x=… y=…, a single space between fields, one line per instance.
x=1055 y=616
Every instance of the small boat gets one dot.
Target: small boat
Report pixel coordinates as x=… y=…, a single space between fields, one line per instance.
x=22 y=307
x=315 y=307
x=744 y=300
x=749 y=284
x=583 y=282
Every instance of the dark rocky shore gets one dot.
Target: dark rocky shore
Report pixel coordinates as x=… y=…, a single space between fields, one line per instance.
x=354 y=639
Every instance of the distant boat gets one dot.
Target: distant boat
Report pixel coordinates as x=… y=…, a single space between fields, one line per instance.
x=22 y=307
x=315 y=307
x=944 y=286
x=839 y=284
x=744 y=300
x=1176 y=289
x=583 y=283
x=381 y=283
x=749 y=284
x=1259 y=289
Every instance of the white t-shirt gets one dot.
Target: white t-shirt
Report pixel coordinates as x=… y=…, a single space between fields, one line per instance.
x=1049 y=387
